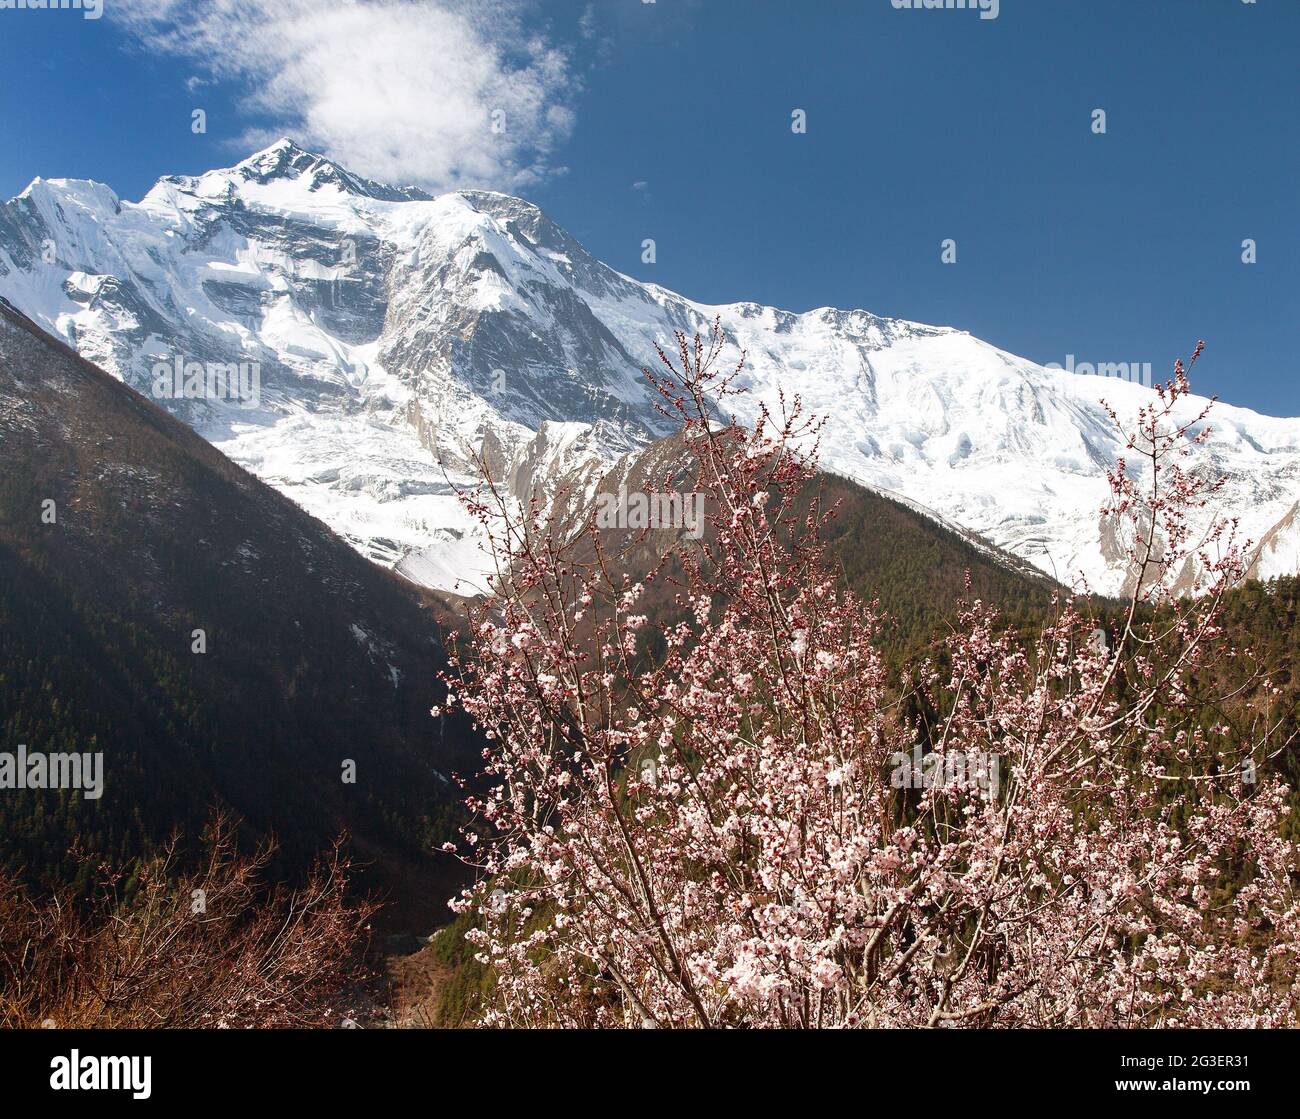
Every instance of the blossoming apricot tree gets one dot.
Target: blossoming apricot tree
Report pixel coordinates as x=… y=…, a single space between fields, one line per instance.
x=691 y=822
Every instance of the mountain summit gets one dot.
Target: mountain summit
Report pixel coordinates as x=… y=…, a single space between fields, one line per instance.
x=393 y=334
x=285 y=160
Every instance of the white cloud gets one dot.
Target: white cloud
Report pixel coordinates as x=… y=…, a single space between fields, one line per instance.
x=440 y=93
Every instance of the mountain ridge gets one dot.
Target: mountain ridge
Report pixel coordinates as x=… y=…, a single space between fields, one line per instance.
x=395 y=333
x=162 y=606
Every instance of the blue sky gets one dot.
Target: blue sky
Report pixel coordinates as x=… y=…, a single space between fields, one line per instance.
x=672 y=121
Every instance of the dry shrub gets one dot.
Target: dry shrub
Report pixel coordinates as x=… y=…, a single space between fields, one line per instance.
x=216 y=946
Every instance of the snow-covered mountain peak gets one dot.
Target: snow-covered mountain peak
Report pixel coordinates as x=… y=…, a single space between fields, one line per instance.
x=396 y=336
x=286 y=161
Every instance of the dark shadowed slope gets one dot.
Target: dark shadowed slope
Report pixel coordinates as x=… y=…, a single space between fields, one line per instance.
x=122 y=533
